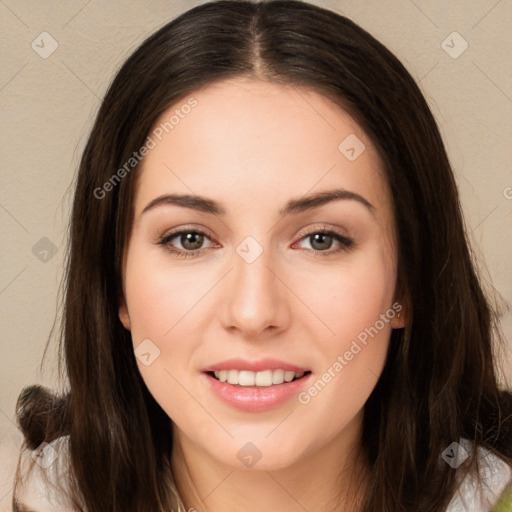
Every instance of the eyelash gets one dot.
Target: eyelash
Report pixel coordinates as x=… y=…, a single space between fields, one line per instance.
x=345 y=242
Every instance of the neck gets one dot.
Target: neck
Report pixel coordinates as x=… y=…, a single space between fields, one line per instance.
x=331 y=478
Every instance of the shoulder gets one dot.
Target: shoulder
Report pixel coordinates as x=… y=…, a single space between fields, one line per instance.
x=44 y=473
x=479 y=496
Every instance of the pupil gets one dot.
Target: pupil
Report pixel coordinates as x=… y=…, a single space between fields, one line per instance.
x=189 y=239
x=322 y=237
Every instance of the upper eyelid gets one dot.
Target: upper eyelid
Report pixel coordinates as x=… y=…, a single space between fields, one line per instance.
x=324 y=226
x=172 y=234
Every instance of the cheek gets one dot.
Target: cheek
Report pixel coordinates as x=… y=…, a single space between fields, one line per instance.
x=352 y=298
x=163 y=307
x=354 y=305
x=159 y=297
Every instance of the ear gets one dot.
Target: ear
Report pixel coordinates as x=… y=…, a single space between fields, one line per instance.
x=401 y=303
x=399 y=321
x=123 y=314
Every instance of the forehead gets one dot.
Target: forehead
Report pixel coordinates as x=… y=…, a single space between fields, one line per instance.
x=261 y=140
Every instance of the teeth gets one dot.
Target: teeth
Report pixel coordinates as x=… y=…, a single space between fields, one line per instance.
x=277 y=376
x=233 y=376
x=246 y=378
x=264 y=378
x=288 y=376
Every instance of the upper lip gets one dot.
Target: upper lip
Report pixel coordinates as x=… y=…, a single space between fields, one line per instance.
x=254 y=366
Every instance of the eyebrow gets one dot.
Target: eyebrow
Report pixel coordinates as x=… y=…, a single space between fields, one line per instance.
x=294 y=206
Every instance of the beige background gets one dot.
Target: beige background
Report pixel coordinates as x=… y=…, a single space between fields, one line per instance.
x=48 y=105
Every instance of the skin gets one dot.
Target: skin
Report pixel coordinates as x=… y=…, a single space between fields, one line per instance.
x=252 y=146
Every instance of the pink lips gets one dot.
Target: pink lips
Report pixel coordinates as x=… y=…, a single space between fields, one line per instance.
x=254 y=366
x=254 y=398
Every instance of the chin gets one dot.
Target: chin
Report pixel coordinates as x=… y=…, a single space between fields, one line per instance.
x=260 y=454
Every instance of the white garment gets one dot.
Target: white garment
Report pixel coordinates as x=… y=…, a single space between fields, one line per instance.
x=37 y=495
x=37 y=492
x=495 y=475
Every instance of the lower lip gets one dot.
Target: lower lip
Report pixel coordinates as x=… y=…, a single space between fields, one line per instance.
x=255 y=398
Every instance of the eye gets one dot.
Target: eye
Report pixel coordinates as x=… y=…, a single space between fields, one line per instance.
x=190 y=239
x=321 y=241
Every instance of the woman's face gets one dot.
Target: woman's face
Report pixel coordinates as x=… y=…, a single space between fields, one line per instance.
x=262 y=295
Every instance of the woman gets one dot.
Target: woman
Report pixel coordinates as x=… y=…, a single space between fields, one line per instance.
x=220 y=356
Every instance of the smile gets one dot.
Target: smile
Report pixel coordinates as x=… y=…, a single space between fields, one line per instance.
x=263 y=378
x=256 y=391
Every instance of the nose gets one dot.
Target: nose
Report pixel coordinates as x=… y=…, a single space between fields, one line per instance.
x=255 y=298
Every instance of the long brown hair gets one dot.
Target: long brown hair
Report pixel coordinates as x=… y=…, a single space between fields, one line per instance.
x=439 y=382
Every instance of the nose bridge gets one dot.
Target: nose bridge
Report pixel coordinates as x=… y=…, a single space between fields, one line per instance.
x=254 y=299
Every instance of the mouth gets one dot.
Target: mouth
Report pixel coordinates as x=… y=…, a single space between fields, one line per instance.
x=255 y=385
x=264 y=378
x=256 y=391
